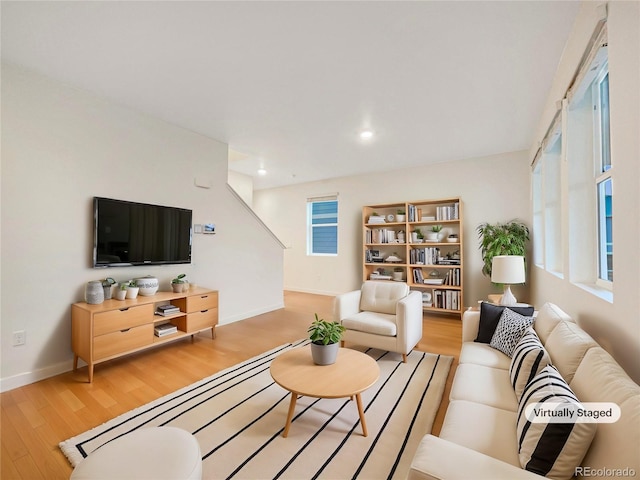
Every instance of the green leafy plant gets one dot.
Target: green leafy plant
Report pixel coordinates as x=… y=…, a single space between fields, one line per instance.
x=322 y=332
x=508 y=238
x=124 y=285
x=179 y=278
x=133 y=284
x=419 y=233
x=436 y=228
x=108 y=282
x=400 y=212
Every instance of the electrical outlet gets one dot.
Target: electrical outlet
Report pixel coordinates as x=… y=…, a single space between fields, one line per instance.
x=19 y=338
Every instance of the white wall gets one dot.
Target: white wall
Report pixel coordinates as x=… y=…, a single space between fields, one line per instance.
x=62 y=146
x=615 y=325
x=243 y=185
x=493 y=189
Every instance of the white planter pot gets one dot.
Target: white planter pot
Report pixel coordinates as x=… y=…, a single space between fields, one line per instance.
x=120 y=294
x=132 y=292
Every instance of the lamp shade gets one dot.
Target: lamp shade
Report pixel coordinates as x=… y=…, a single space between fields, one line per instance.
x=507 y=269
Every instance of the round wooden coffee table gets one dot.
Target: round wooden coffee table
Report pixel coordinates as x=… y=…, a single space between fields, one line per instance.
x=352 y=374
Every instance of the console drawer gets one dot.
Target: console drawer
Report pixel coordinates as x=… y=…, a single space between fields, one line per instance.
x=116 y=320
x=200 y=320
x=197 y=303
x=122 y=341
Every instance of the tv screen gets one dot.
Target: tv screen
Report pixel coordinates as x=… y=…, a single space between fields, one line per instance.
x=130 y=233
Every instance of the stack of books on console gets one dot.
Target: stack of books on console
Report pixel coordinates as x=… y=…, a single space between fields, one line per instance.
x=165 y=310
x=165 y=329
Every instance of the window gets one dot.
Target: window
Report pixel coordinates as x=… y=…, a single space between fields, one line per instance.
x=538 y=216
x=547 y=201
x=604 y=187
x=590 y=172
x=322 y=226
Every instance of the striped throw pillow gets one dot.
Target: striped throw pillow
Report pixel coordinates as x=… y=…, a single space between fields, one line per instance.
x=529 y=357
x=551 y=449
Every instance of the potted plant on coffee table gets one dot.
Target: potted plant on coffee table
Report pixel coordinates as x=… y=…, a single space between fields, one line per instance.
x=325 y=340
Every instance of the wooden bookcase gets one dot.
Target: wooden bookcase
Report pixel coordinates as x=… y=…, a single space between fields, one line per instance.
x=434 y=267
x=118 y=327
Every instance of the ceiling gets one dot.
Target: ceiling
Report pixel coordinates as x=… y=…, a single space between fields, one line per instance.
x=290 y=85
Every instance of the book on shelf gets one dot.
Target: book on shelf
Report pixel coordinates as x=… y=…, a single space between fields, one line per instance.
x=165 y=329
x=433 y=281
x=167 y=310
x=448 y=212
x=376 y=219
x=378 y=276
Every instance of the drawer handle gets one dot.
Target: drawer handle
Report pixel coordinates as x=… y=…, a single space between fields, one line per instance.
x=125 y=330
x=204 y=311
x=204 y=296
x=124 y=309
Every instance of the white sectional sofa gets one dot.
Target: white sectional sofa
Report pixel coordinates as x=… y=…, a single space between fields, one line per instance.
x=479 y=440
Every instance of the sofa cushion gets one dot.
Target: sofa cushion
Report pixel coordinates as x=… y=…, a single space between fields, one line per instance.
x=599 y=378
x=548 y=317
x=509 y=331
x=483 y=354
x=567 y=345
x=371 y=322
x=382 y=297
x=551 y=449
x=529 y=357
x=490 y=316
x=489 y=386
x=482 y=428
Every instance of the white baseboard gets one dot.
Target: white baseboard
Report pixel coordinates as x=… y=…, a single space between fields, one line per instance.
x=252 y=313
x=315 y=292
x=27 y=378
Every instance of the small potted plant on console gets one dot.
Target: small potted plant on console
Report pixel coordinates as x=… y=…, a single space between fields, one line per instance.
x=325 y=340
x=179 y=284
x=132 y=289
x=121 y=292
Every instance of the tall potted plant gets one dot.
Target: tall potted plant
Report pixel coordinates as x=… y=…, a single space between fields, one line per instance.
x=508 y=238
x=325 y=337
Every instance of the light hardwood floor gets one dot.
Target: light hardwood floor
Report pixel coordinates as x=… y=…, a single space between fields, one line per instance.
x=35 y=418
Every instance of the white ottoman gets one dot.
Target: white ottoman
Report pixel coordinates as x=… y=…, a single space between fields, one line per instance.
x=147 y=453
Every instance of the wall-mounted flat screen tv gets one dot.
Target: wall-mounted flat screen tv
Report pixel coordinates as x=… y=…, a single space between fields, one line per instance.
x=130 y=233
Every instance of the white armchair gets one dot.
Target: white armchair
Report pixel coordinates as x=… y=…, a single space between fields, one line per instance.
x=384 y=315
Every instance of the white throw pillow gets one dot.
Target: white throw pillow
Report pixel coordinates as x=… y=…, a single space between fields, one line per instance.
x=553 y=450
x=529 y=358
x=509 y=331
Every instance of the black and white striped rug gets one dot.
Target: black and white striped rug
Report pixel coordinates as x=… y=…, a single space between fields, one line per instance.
x=238 y=415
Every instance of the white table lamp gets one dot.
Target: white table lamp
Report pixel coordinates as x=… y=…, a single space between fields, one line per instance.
x=508 y=270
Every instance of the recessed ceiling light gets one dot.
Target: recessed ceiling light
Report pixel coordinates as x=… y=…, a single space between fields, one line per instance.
x=262 y=171
x=366 y=134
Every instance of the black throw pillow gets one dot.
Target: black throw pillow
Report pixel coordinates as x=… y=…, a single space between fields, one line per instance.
x=490 y=316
